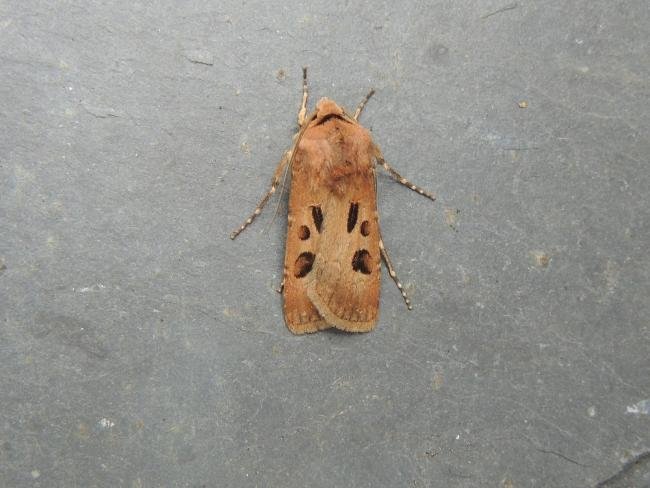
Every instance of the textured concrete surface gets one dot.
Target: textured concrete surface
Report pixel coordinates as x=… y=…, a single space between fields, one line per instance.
x=140 y=347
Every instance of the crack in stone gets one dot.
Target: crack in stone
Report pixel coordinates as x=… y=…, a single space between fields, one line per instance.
x=560 y=455
x=511 y=6
x=639 y=461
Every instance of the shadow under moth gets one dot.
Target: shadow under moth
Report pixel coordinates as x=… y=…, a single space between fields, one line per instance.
x=334 y=247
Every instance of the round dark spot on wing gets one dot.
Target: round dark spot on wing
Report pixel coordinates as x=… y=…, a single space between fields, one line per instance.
x=365 y=228
x=303 y=233
x=303 y=264
x=362 y=262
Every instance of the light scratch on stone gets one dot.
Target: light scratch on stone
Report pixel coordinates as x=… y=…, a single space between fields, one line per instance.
x=511 y=6
x=100 y=112
x=86 y=289
x=198 y=56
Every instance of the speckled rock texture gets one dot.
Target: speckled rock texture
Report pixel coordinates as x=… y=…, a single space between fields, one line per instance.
x=141 y=347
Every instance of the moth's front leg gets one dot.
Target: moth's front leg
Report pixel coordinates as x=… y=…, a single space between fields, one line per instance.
x=399 y=178
x=277 y=176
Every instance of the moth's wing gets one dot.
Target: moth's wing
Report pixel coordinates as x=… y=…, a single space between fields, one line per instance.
x=332 y=261
x=345 y=279
x=301 y=249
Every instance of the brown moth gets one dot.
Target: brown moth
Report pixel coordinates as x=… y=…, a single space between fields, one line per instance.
x=334 y=246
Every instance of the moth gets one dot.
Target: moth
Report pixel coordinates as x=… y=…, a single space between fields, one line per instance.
x=334 y=246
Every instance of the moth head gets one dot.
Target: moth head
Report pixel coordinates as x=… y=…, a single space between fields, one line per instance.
x=326 y=108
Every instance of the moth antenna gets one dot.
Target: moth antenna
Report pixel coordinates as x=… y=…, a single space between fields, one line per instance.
x=292 y=151
x=360 y=107
x=301 y=120
x=303 y=107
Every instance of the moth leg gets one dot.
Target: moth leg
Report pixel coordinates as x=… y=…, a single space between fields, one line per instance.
x=280 y=288
x=392 y=273
x=303 y=108
x=357 y=112
x=277 y=176
x=400 y=179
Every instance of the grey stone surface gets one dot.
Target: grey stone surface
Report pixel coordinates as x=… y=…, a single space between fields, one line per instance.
x=140 y=347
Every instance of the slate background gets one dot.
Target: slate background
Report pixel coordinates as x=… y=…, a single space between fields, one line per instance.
x=140 y=347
